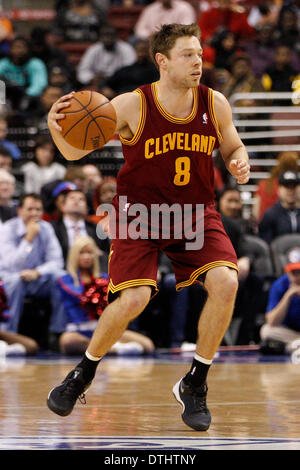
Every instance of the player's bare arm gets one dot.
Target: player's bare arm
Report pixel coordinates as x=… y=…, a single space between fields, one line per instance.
x=232 y=148
x=127 y=107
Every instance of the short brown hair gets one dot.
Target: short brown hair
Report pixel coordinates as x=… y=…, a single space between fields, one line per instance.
x=164 y=39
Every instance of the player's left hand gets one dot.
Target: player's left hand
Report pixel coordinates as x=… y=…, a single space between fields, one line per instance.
x=240 y=169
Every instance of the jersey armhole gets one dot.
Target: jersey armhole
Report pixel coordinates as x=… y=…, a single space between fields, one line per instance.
x=141 y=123
x=211 y=110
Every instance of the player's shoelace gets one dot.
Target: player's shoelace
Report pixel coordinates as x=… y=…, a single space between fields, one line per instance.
x=199 y=399
x=74 y=390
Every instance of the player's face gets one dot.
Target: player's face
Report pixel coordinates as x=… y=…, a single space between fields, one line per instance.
x=184 y=65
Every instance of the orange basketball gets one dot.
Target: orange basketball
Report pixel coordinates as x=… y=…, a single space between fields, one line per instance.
x=89 y=122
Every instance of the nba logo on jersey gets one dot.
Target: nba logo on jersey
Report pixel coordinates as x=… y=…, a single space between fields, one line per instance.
x=126 y=207
x=204 y=118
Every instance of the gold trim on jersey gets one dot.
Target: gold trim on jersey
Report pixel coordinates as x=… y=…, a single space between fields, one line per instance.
x=141 y=123
x=133 y=283
x=211 y=109
x=203 y=269
x=168 y=116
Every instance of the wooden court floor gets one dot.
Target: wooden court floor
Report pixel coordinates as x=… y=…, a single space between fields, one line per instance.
x=254 y=405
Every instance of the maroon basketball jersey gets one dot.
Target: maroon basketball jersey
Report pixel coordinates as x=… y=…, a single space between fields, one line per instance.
x=169 y=160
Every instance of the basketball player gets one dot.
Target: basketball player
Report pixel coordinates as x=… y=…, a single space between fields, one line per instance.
x=168 y=130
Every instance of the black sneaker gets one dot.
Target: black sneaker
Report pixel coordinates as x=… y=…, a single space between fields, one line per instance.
x=61 y=399
x=193 y=400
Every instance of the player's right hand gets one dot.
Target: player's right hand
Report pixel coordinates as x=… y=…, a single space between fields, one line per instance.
x=55 y=113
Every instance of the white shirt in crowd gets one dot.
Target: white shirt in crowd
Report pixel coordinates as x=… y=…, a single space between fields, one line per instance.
x=74 y=229
x=36 y=176
x=155 y=15
x=97 y=59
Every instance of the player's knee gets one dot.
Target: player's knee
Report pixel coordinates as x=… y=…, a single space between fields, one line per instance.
x=222 y=283
x=134 y=300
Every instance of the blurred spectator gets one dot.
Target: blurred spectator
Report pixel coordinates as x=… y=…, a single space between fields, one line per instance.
x=280 y=75
x=53 y=193
x=225 y=47
x=261 y=48
x=130 y=77
x=103 y=5
x=13 y=149
x=43 y=169
x=79 y=20
x=38 y=112
x=7 y=189
x=264 y=12
x=55 y=37
x=93 y=176
x=267 y=190
x=30 y=259
x=231 y=205
x=12 y=343
x=284 y=216
x=6 y=35
x=174 y=305
x=60 y=77
x=56 y=191
x=5 y=159
x=287 y=31
x=242 y=80
x=103 y=194
x=163 y=12
x=84 y=296
x=228 y=14
x=127 y=3
x=6 y=163
x=208 y=77
x=101 y=60
x=249 y=301
x=73 y=224
x=50 y=55
x=25 y=76
x=283 y=309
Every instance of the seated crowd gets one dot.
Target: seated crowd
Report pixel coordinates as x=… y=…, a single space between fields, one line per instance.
x=55 y=248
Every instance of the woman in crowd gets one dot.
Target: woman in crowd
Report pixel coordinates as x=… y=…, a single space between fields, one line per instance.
x=103 y=194
x=267 y=190
x=43 y=169
x=84 y=295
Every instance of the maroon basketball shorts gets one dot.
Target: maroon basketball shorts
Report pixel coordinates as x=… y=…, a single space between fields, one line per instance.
x=134 y=262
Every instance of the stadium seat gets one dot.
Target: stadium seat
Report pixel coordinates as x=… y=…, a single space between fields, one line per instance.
x=279 y=248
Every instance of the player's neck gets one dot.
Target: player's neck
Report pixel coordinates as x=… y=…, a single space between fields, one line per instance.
x=176 y=100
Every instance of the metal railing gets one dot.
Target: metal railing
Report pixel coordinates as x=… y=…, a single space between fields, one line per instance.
x=284 y=123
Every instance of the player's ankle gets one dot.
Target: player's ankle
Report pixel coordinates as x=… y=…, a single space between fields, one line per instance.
x=89 y=366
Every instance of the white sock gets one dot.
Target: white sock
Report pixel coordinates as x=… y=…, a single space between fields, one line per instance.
x=202 y=359
x=92 y=358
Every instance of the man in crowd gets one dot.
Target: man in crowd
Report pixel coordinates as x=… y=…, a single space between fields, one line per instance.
x=284 y=216
x=7 y=189
x=73 y=224
x=30 y=260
